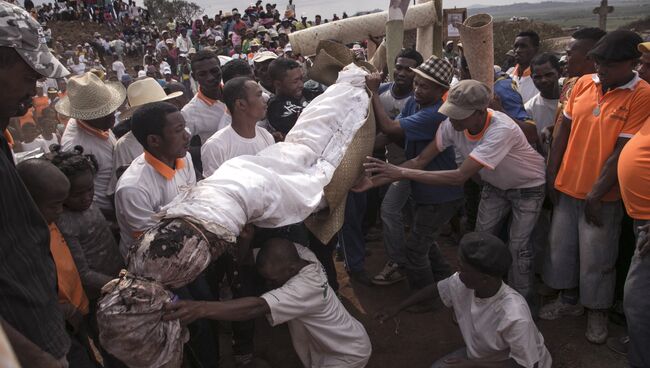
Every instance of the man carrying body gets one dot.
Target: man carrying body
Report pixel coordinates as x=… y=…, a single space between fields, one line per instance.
x=288 y=102
x=604 y=111
x=494 y=147
x=323 y=333
x=394 y=97
x=29 y=310
x=417 y=125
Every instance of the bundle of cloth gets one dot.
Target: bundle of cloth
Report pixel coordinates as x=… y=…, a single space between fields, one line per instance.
x=281 y=185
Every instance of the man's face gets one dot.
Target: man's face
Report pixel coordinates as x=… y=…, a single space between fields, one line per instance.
x=644 y=67
x=403 y=75
x=208 y=74
x=255 y=102
x=291 y=85
x=262 y=72
x=19 y=86
x=613 y=73
x=468 y=275
x=577 y=61
x=275 y=277
x=524 y=50
x=545 y=78
x=425 y=91
x=175 y=139
x=460 y=125
x=318 y=20
x=104 y=123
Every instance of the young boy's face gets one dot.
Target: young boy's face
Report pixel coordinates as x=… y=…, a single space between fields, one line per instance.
x=469 y=275
x=82 y=189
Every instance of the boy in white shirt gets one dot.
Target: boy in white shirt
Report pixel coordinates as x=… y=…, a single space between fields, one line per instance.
x=324 y=334
x=245 y=101
x=496 y=324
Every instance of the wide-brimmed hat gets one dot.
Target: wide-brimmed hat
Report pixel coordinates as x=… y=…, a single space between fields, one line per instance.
x=145 y=91
x=21 y=32
x=89 y=98
x=437 y=70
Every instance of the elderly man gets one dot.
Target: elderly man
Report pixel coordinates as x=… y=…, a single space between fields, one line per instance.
x=29 y=308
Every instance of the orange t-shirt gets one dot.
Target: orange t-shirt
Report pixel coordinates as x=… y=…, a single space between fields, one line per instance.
x=634 y=174
x=40 y=103
x=68 y=280
x=592 y=140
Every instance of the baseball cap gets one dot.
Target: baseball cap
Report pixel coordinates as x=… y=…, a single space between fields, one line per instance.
x=486 y=253
x=644 y=47
x=464 y=98
x=619 y=45
x=21 y=32
x=264 y=56
x=167 y=70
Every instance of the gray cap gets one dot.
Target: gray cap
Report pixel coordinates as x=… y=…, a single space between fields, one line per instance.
x=486 y=253
x=20 y=31
x=464 y=98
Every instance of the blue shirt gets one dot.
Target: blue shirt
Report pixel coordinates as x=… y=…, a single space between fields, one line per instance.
x=420 y=127
x=513 y=104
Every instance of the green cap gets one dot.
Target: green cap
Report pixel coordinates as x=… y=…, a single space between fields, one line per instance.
x=464 y=98
x=20 y=31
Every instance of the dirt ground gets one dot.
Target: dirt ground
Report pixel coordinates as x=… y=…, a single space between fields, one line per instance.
x=422 y=338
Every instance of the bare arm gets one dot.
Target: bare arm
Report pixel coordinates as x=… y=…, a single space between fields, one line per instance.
x=430 y=292
x=556 y=154
x=242 y=309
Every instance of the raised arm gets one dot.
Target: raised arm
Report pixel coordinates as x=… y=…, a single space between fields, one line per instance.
x=385 y=124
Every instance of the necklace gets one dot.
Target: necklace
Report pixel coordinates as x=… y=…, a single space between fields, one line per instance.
x=599 y=101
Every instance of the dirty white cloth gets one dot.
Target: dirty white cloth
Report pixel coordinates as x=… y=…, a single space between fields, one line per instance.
x=282 y=184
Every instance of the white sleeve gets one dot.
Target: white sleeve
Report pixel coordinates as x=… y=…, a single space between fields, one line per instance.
x=212 y=157
x=444 y=136
x=494 y=146
x=294 y=299
x=445 y=290
x=134 y=207
x=522 y=337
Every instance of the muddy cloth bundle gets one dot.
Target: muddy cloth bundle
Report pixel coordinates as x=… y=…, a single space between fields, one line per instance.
x=129 y=317
x=174 y=253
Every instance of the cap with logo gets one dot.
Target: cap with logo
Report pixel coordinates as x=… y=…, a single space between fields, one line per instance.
x=464 y=98
x=20 y=31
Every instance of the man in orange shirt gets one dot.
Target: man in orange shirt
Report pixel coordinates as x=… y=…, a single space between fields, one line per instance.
x=603 y=112
x=634 y=178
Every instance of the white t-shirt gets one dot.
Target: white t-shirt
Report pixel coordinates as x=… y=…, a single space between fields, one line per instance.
x=78 y=69
x=119 y=68
x=393 y=106
x=542 y=111
x=100 y=146
x=323 y=333
x=126 y=150
x=226 y=144
x=509 y=160
x=142 y=190
x=37 y=143
x=204 y=119
x=497 y=328
x=525 y=86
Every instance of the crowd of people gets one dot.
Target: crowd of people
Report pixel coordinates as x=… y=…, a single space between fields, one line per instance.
x=536 y=173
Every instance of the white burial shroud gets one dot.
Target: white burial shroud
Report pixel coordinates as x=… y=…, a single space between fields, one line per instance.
x=283 y=184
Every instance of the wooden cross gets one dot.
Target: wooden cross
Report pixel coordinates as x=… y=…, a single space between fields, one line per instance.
x=602 y=12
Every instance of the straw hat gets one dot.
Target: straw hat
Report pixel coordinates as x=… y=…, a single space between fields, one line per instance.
x=437 y=70
x=89 y=98
x=145 y=91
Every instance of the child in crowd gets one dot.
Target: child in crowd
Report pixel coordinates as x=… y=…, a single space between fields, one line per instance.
x=85 y=229
x=47 y=123
x=49 y=189
x=494 y=319
x=31 y=139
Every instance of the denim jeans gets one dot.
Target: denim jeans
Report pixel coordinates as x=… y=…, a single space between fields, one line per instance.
x=351 y=236
x=397 y=198
x=424 y=262
x=583 y=255
x=524 y=206
x=637 y=306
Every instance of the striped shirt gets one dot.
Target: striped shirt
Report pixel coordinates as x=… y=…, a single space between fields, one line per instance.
x=28 y=291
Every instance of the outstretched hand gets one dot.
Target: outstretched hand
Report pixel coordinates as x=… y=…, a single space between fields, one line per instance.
x=382 y=169
x=185 y=310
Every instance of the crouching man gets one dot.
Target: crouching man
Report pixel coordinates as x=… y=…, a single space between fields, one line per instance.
x=494 y=319
x=324 y=334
